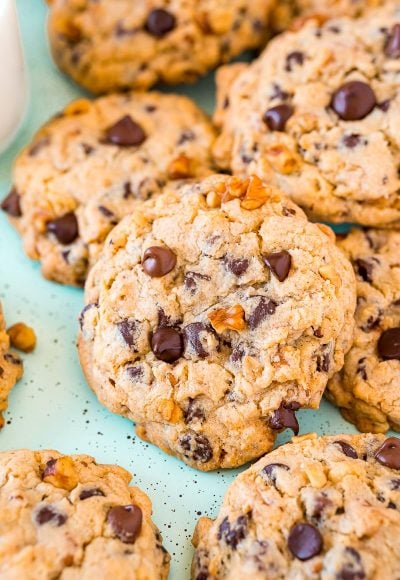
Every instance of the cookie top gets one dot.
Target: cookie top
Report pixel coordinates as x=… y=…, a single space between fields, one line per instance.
x=318 y=508
x=113 y=46
x=215 y=311
x=86 y=168
x=318 y=114
x=68 y=517
x=10 y=367
x=367 y=388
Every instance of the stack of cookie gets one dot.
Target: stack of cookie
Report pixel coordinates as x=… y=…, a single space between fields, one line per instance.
x=216 y=306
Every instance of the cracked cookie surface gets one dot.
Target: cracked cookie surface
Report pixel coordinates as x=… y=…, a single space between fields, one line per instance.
x=318 y=508
x=318 y=115
x=215 y=311
x=367 y=388
x=10 y=367
x=86 y=168
x=68 y=517
x=113 y=46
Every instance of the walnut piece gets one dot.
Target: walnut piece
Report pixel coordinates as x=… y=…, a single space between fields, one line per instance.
x=22 y=337
x=61 y=473
x=180 y=168
x=227 y=319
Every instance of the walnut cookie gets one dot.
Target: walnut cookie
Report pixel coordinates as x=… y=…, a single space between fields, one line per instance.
x=87 y=167
x=318 y=115
x=10 y=368
x=318 y=508
x=367 y=388
x=112 y=46
x=68 y=517
x=213 y=314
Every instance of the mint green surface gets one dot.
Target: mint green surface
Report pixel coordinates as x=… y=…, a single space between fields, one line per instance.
x=52 y=407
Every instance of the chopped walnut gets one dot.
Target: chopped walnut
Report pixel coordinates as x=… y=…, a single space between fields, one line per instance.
x=22 y=337
x=256 y=194
x=61 y=473
x=180 y=168
x=77 y=107
x=315 y=474
x=282 y=159
x=228 y=319
x=169 y=411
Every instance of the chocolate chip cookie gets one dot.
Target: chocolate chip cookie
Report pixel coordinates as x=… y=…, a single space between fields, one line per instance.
x=112 y=46
x=10 y=368
x=318 y=115
x=86 y=168
x=367 y=388
x=215 y=312
x=68 y=517
x=318 y=508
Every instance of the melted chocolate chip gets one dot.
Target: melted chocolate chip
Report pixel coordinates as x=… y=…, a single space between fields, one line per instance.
x=304 y=541
x=125 y=522
x=135 y=373
x=167 y=344
x=125 y=133
x=191 y=279
x=323 y=361
x=352 y=568
x=392 y=45
x=351 y=141
x=194 y=411
x=347 y=449
x=83 y=312
x=237 y=266
x=49 y=514
x=270 y=470
x=294 y=58
x=320 y=503
x=93 y=492
x=65 y=228
x=158 y=261
x=389 y=344
x=11 y=204
x=264 y=309
x=49 y=468
x=186 y=136
x=160 y=22
x=353 y=101
x=277 y=117
x=388 y=453
x=362 y=369
x=233 y=534
x=128 y=330
x=364 y=269
x=192 y=338
x=105 y=211
x=394 y=484
x=279 y=263
x=196 y=447
x=285 y=417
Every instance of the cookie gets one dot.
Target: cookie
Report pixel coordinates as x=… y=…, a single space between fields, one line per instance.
x=114 y=46
x=317 y=508
x=10 y=368
x=214 y=313
x=68 y=517
x=318 y=115
x=367 y=388
x=86 y=168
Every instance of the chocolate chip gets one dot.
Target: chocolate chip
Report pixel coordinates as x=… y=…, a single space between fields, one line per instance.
x=264 y=309
x=352 y=568
x=49 y=514
x=277 y=117
x=388 y=453
x=392 y=506
x=196 y=447
x=270 y=470
x=194 y=411
x=285 y=417
x=364 y=269
x=237 y=266
x=160 y=22
x=163 y=318
x=384 y=105
x=392 y=45
x=394 y=484
x=279 y=263
x=389 y=344
x=83 y=312
x=191 y=279
x=294 y=58
x=88 y=149
x=65 y=228
x=10 y=358
x=353 y=101
x=135 y=373
x=167 y=344
x=186 y=136
x=372 y=322
x=125 y=522
x=11 y=204
x=233 y=534
x=351 y=141
x=304 y=541
x=192 y=338
x=158 y=261
x=323 y=361
x=94 y=492
x=125 y=133
x=320 y=503
x=362 y=369
x=347 y=449
x=105 y=211
x=128 y=329
x=49 y=468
